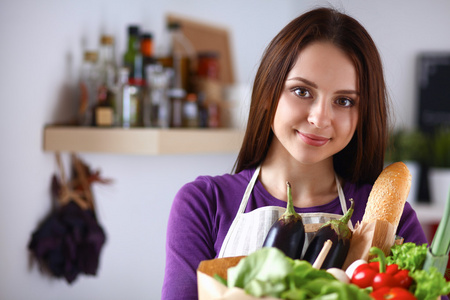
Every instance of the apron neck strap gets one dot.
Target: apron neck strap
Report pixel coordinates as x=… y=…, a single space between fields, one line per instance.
x=248 y=190
x=341 y=194
x=342 y=200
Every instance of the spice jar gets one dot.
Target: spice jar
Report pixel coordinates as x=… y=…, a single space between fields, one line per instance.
x=208 y=65
x=190 y=111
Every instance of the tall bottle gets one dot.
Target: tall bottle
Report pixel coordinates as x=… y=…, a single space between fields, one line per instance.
x=89 y=77
x=122 y=94
x=105 y=109
x=133 y=57
x=179 y=55
x=147 y=52
x=157 y=107
x=209 y=88
x=130 y=98
x=107 y=61
x=183 y=57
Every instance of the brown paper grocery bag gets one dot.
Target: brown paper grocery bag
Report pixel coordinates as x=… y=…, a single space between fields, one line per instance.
x=218 y=266
x=211 y=289
x=379 y=234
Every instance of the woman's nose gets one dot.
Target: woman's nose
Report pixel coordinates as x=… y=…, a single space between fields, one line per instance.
x=320 y=114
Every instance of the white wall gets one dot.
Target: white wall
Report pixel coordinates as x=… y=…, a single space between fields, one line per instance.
x=40 y=53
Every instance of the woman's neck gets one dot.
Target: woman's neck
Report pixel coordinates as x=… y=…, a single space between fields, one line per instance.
x=312 y=184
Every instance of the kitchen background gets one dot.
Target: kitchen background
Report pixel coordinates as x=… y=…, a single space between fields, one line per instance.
x=41 y=53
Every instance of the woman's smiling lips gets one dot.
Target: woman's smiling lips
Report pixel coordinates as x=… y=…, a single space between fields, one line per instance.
x=312 y=139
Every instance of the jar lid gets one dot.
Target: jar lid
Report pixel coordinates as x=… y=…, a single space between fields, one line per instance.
x=133 y=30
x=191 y=97
x=177 y=93
x=208 y=54
x=90 y=55
x=107 y=39
x=146 y=36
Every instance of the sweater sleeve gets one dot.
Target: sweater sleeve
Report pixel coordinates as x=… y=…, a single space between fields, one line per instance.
x=410 y=228
x=190 y=239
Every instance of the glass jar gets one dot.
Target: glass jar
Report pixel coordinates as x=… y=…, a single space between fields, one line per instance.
x=190 y=111
x=89 y=79
x=208 y=65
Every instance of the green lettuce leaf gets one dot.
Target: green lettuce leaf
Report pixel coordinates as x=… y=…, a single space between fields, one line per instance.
x=407 y=256
x=429 y=284
x=266 y=264
x=326 y=289
x=259 y=288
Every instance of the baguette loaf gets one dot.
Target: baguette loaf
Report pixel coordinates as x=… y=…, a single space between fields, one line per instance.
x=388 y=196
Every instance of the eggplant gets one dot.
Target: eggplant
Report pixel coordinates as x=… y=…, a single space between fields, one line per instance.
x=288 y=232
x=340 y=235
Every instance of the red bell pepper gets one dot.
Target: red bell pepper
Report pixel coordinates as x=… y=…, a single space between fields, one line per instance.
x=377 y=275
x=393 y=293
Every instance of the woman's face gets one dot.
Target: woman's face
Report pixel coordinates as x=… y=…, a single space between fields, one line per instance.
x=317 y=113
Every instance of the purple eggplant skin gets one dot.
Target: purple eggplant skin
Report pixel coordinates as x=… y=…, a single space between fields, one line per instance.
x=288 y=235
x=340 y=235
x=338 y=251
x=288 y=232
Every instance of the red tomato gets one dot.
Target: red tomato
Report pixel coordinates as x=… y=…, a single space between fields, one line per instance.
x=368 y=275
x=392 y=269
x=375 y=265
x=403 y=278
x=384 y=280
x=392 y=294
x=363 y=276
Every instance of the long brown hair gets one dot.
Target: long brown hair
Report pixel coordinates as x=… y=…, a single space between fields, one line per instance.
x=361 y=161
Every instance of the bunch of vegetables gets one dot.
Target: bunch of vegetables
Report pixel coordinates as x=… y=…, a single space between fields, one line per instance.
x=400 y=275
x=384 y=281
x=268 y=272
x=404 y=269
x=277 y=270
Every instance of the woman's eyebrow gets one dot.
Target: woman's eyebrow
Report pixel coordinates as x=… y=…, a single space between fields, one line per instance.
x=298 y=78
x=353 y=92
x=314 y=85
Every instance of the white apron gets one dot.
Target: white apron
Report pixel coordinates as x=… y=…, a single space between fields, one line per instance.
x=248 y=230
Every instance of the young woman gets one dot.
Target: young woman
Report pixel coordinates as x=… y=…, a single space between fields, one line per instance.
x=318 y=119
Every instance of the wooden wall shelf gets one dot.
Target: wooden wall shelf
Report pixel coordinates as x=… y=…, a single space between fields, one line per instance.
x=142 y=141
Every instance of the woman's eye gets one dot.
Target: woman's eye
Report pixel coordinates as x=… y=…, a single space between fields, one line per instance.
x=346 y=102
x=301 y=92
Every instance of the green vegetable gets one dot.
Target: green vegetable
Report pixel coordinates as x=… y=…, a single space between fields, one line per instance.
x=441 y=242
x=220 y=279
x=407 y=256
x=268 y=272
x=430 y=284
x=437 y=255
x=324 y=289
x=252 y=270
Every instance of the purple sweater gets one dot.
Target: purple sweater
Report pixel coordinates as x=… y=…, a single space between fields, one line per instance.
x=204 y=209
